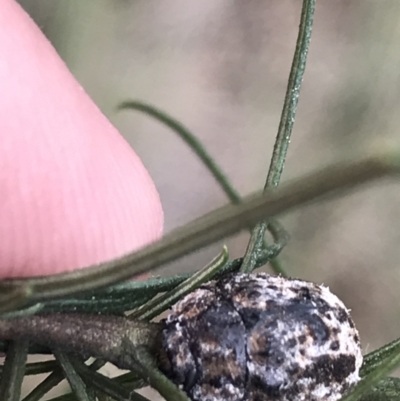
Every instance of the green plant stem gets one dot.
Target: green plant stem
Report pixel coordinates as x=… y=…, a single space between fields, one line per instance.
x=201 y=152
x=75 y=381
x=130 y=380
x=160 y=304
x=284 y=131
x=124 y=297
x=156 y=379
x=208 y=229
x=107 y=386
x=13 y=371
x=191 y=140
x=52 y=381
x=375 y=358
x=100 y=336
x=45 y=386
x=36 y=308
x=387 y=389
x=37 y=368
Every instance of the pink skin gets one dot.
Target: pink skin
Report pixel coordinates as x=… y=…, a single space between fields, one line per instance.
x=72 y=191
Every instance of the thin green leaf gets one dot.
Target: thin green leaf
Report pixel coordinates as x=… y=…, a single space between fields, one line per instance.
x=124 y=297
x=30 y=310
x=53 y=380
x=193 y=142
x=106 y=385
x=285 y=128
x=158 y=305
x=386 y=390
x=148 y=371
x=38 y=368
x=13 y=371
x=375 y=358
x=77 y=385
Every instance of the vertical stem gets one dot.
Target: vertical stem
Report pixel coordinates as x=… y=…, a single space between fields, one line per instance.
x=75 y=381
x=285 y=129
x=13 y=371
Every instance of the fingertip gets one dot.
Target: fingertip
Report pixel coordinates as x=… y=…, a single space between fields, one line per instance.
x=74 y=192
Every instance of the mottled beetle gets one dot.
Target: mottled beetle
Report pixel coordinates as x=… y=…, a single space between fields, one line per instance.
x=258 y=337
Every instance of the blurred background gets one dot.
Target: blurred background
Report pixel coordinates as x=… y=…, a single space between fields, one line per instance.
x=221 y=69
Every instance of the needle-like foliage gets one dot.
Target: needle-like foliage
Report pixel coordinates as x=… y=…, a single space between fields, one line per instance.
x=101 y=294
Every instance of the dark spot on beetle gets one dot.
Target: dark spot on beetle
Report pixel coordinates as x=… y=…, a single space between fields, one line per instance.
x=334 y=345
x=253 y=295
x=318 y=330
x=188 y=308
x=322 y=306
x=302 y=339
x=293 y=391
x=344 y=365
x=291 y=343
x=272 y=392
x=279 y=360
x=272 y=287
x=335 y=330
x=342 y=315
x=305 y=293
x=250 y=317
x=258 y=397
x=356 y=338
x=264 y=354
x=214 y=381
x=302 y=352
x=270 y=305
x=241 y=290
x=294 y=370
x=327 y=369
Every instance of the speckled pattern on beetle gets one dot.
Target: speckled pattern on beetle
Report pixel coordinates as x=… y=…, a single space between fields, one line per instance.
x=256 y=337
